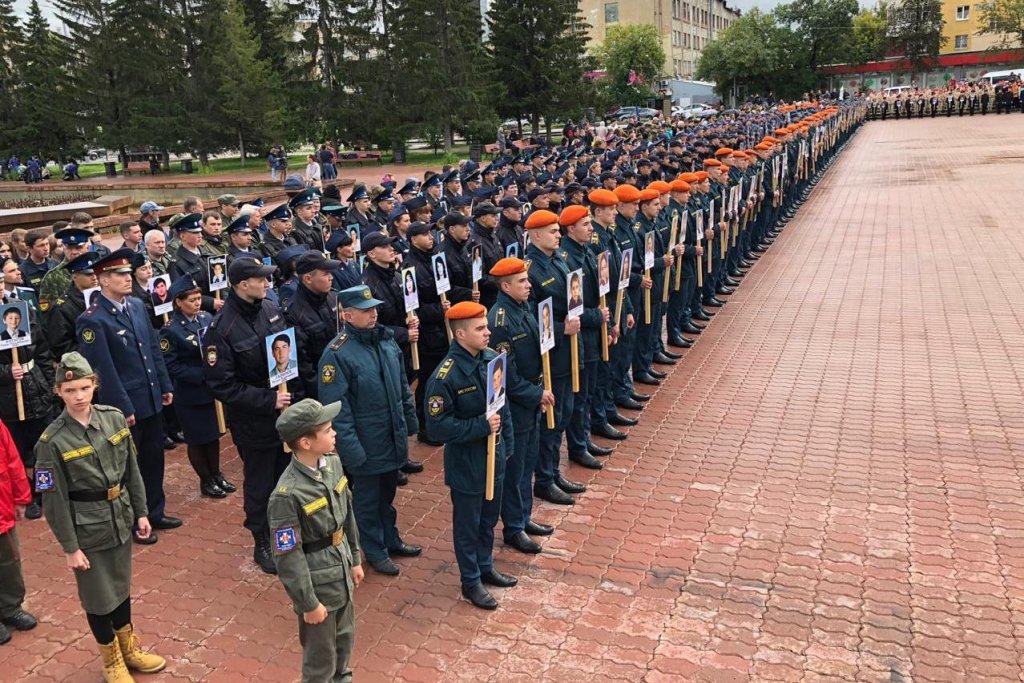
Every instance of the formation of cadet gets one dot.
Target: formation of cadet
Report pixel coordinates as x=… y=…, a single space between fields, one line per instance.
x=583 y=266
x=956 y=98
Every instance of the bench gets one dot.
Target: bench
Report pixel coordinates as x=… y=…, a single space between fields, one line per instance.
x=492 y=149
x=359 y=157
x=137 y=167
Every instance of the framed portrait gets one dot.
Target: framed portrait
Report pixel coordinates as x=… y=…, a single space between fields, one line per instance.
x=648 y=251
x=477 y=262
x=282 y=357
x=439 y=268
x=16 y=330
x=496 y=384
x=625 y=267
x=546 y=324
x=604 y=273
x=159 y=287
x=409 y=290
x=217 y=268
x=574 y=293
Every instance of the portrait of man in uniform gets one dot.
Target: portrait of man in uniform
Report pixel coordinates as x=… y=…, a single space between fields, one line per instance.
x=282 y=357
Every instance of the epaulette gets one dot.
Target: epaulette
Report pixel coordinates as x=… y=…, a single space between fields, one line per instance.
x=339 y=341
x=59 y=302
x=445 y=368
x=499 y=317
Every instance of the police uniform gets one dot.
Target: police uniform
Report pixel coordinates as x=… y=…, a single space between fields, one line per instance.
x=309 y=234
x=347 y=275
x=364 y=370
x=120 y=344
x=192 y=264
x=491 y=252
x=56 y=281
x=314 y=317
x=316 y=546
x=354 y=218
x=271 y=245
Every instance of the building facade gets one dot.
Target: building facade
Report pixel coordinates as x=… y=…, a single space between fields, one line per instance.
x=685 y=27
x=960 y=30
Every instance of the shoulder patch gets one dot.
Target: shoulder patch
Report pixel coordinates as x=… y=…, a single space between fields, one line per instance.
x=44 y=304
x=282 y=489
x=445 y=368
x=339 y=341
x=435 y=404
x=328 y=373
x=44 y=478
x=211 y=355
x=503 y=347
x=499 y=317
x=88 y=336
x=165 y=344
x=284 y=540
x=341 y=485
x=118 y=437
x=44 y=437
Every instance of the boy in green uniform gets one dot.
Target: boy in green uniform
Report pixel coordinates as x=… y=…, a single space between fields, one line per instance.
x=315 y=541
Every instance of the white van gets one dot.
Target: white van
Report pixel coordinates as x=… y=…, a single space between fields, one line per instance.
x=896 y=89
x=993 y=77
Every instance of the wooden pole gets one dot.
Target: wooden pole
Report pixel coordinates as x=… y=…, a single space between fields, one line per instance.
x=414 y=347
x=604 y=332
x=618 y=305
x=489 y=478
x=545 y=360
x=447 y=325
x=679 y=265
x=574 y=350
x=221 y=425
x=17 y=386
x=282 y=388
x=647 y=300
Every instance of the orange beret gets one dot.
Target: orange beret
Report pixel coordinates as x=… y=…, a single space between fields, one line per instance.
x=701 y=176
x=711 y=163
x=649 y=194
x=660 y=186
x=541 y=218
x=602 y=197
x=723 y=151
x=464 y=310
x=627 y=193
x=782 y=131
x=740 y=154
x=689 y=178
x=571 y=214
x=762 y=147
x=508 y=266
x=679 y=186
x=769 y=138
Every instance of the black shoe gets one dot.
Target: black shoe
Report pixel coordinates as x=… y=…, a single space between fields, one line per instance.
x=639 y=398
x=479 y=596
x=679 y=343
x=552 y=494
x=609 y=432
x=732 y=283
x=169 y=444
x=710 y=314
x=423 y=438
x=645 y=378
x=672 y=354
x=496 y=578
x=386 y=567
x=594 y=449
x=224 y=483
x=714 y=303
x=404 y=549
x=722 y=290
x=569 y=486
x=403 y=478
x=761 y=248
x=538 y=529
x=165 y=522
x=690 y=328
x=628 y=404
x=5 y=635
x=586 y=460
x=412 y=467
x=33 y=511
x=657 y=374
x=21 y=621
x=211 y=489
x=701 y=315
x=178 y=437
x=523 y=543
x=618 y=421
x=149 y=540
x=663 y=359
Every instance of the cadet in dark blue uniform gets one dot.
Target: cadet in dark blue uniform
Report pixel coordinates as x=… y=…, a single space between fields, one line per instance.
x=514 y=331
x=115 y=336
x=622 y=353
x=191 y=259
x=64 y=311
x=339 y=247
x=240 y=238
x=548 y=275
x=456 y=410
x=236 y=371
x=182 y=345
x=313 y=312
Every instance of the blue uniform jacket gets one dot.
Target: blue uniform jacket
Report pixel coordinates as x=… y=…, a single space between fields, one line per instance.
x=548 y=277
x=183 y=354
x=514 y=331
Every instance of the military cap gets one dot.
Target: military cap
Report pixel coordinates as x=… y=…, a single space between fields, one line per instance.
x=304 y=198
x=190 y=223
x=377 y=239
x=289 y=254
x=240 y=224
x=74 y=236
x=526 y=178
x=384 y=196
x=643 y=163
x=302 y=418
x=334 y=210
x=245 y=267
x=471 y=177
x=606 y=175
x=315 y=260
x=139 y=259
x=456 y=219
x=590 y=183
x=333 y=194
x=72 y=366
x=535 y=192
x=258 y=202
x=541 y=218
x=408 y=188
x=119 y=261
x=281 y=213
x=510 y=203
x=451 y=176
x=465 y=310
x=182 y=286
x=173 y=220
x=572 y=214
x=508 y=266
x=397 y=213
x=83 y=263
x=679 y=186
x=648 y=194
x=434 y=180
x=659 y=186
x=543 y=178
x=419 y=228
x=602 y=197
x=509 y=182
x=627 y=194
x=358 y=192
x=484 y=193
x=340 y=238
x=227 y=200
x=488 y=209
x=415 y=204
x=437 y=214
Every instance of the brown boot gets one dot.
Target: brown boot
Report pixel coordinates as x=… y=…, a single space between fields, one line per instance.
x=134 y=657
x=114 y=670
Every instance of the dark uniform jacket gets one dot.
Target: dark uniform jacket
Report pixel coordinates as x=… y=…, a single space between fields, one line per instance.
x=509 y=232
x=271 y=246
x=194 y=265
x=457 y=399
x=514 y=331
x=384 y=284
x=32 y=273
x=36 y=385
x=61 y=321
x=491 y=251
x=548 y=277
x=579 y=256
x=346 y=276
x=353 y=218
x=124 y=351
x=183 y=354
x=460 y=269
x=236 y=368
x=601 y=241
x=310 y=235
x=315 y=319
x=431 y=314
x=365 y=370
x=215 y=245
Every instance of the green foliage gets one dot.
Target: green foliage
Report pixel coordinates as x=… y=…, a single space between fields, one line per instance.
x=821 y=30
x=11 y=41
x=1004 y=18
x=752 y=56
x=915 y=30
x=629 y=52
x=869 y=40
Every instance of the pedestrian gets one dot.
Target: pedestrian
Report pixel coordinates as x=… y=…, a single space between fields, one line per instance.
x=312 y=176
x=93 y=495
x=15 y=497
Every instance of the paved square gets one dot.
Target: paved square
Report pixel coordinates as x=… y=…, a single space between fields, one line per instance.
x=828 y=487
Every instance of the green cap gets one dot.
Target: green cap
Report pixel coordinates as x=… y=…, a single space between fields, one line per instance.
x=359 y=296
x=73 y=366
x=303 y=417
x=227 y=200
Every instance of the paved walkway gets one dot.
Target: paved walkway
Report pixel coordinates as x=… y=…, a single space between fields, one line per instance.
x=828 y=488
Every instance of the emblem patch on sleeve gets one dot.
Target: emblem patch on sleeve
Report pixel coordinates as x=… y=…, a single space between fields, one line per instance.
x=435 y=404
x=284 y=540
x=211 y=355
x=327 y=374
x=44 y=479
x=165 y=345
x=88 y=336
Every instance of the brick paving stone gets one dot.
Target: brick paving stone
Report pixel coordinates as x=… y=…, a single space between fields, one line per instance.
x=828 y=487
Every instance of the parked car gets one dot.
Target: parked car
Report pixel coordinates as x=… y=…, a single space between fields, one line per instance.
x=694 y=111
x=626 y=113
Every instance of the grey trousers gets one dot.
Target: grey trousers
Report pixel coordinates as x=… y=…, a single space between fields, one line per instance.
x=327 y=647
x=12 y=585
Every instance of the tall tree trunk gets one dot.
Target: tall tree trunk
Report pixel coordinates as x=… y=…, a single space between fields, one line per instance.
x=241 y=148
x=449 y=135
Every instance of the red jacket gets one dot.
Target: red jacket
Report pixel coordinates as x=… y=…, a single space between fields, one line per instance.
x=13 y=484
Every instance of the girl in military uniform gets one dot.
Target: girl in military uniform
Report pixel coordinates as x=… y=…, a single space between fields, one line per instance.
x=180 y=343
x=92 y=494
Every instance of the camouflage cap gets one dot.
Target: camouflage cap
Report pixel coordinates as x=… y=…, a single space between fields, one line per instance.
x=72 y=366
x=303 y=417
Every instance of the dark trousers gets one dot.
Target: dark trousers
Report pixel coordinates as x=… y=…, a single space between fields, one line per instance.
x=12 y=583
x=373 y=498
x=577 y=434
x=429 y=360
x=262 y=466
x=517 y=491
x=25 y=434
x=551 y=439
x=171 y=423
x=148 y=435
x=602 y=400
x=621 y=355
x=473 y=520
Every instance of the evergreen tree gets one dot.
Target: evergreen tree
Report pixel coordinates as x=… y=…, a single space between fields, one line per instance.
x=11 y=41
x=269 y=28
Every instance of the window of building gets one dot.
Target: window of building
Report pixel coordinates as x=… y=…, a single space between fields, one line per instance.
x=675 y=8
x=962 y=12
x=611 y=12
x=961 y=42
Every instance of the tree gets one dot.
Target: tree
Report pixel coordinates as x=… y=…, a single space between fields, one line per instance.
x=11 y=41
x=869 y=27
x=1004 y=18
x=269 y=27
x=915 y=30
x=748 y=56
x=633 y=57
x=822 y=28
